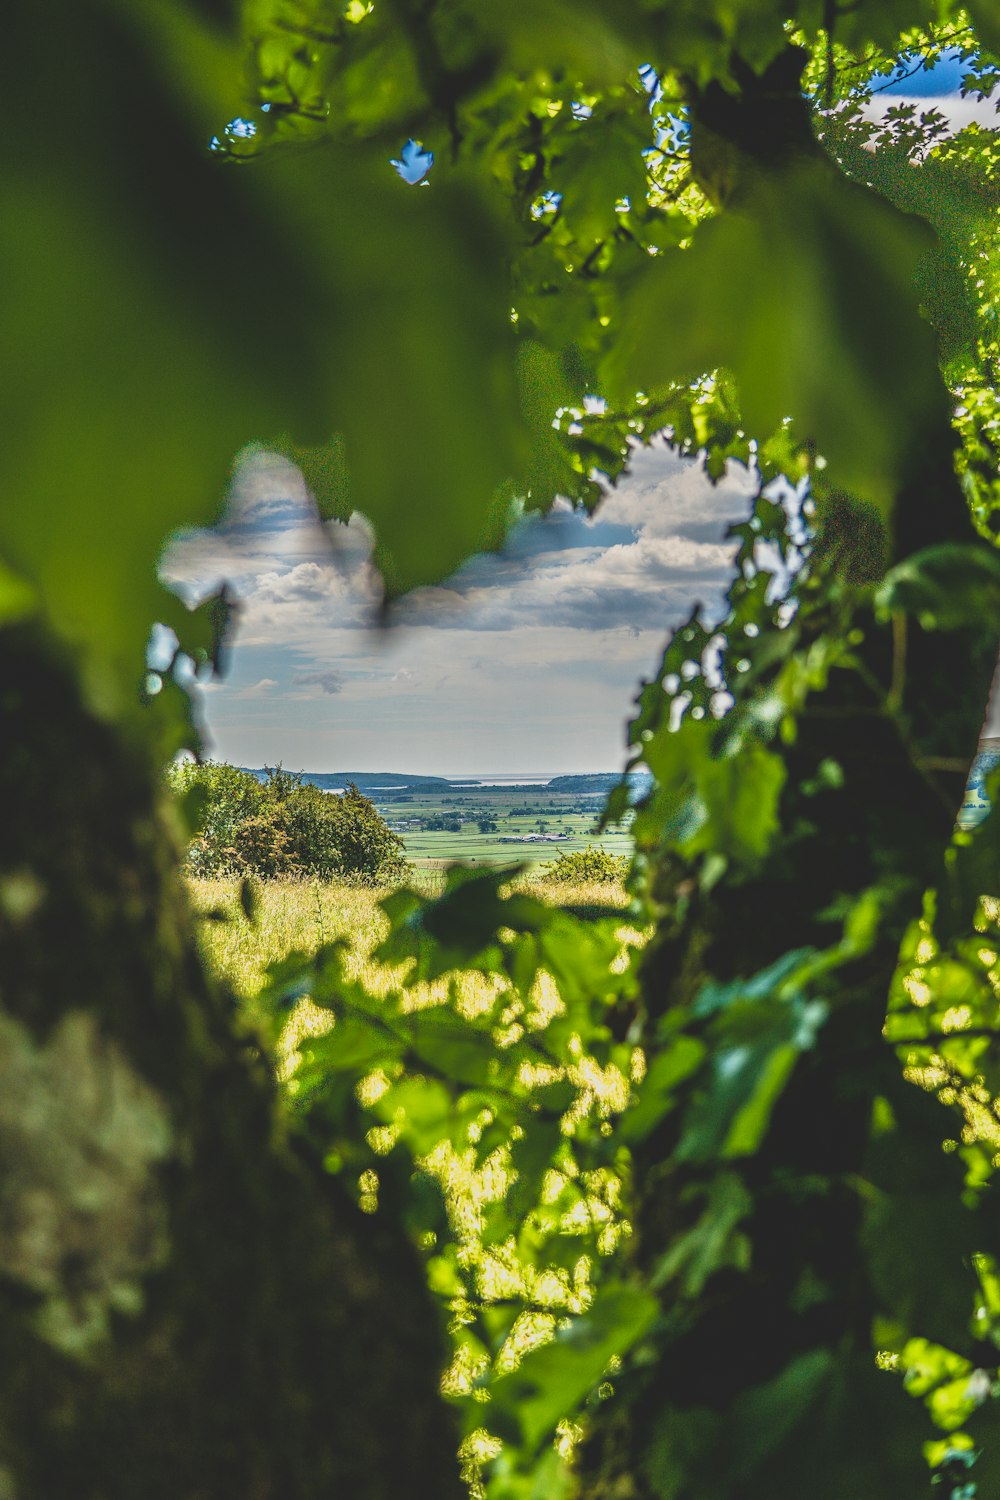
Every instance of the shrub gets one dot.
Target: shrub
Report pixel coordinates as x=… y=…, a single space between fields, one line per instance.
x=583 y=866
x=365 y=843
x=282 y=826
x=219 y=801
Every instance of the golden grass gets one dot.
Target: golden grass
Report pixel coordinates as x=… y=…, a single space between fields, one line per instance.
x=302 y=914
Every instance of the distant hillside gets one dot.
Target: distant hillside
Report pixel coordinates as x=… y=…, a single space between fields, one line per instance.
x=365 y=781
x=597 y=781
x=398 y=781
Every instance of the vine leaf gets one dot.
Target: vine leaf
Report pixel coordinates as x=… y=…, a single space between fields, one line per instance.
x=828 y=1425
x=946 y=587
x=419 y=381
x=725 y=805
x=805 y=294
x=552 y=1381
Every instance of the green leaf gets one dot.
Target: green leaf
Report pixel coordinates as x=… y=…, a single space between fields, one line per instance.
x=422 y=1108
x=18 y=599
x=600 y=164
x=579 y=956
x=987 y=24
x=109 y=231
x=725 y=805
x=655 y=1096
x=766 y=982
x=828 y=1425
x=919 y=1235
x=756 y=1047
x=452 y=1046
x=544 y=388
x=459 y=928
x=819 y=322
x=741 y=795
x=352 y=1046
x=948 y=587
x=550 y=1478
x=711 y=1245
x=430 y=356
x=531 y=1156
x=551 y=1382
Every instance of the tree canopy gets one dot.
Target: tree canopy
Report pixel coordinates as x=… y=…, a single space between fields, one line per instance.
x=282 y=825
x=757 y=1163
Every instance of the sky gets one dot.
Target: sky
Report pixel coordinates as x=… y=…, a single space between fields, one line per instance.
x=933 y=88
x=524 y=662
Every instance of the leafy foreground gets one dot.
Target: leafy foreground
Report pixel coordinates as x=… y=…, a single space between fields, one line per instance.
x=460 y=1056
x=652 y=218
x=452 y=1054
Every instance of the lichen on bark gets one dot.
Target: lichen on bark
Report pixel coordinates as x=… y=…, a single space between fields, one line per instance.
x=82 y=1215
x=190 y=1308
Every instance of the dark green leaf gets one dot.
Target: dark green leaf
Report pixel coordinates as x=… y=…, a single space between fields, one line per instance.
x=551 y=1382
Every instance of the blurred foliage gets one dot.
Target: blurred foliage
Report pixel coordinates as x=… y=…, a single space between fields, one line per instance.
x=708 y=1225
x=469 y=1083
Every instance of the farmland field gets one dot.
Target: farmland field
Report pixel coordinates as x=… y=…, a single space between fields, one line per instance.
x=523 y=824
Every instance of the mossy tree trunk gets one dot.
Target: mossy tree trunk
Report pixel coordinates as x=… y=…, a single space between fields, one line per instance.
x=190 y=1307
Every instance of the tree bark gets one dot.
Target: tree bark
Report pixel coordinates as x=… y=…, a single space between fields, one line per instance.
x=191 y=1309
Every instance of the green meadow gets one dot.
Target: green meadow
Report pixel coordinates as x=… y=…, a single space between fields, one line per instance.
x=532 y=824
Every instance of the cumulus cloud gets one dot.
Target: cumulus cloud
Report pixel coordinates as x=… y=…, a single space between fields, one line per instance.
x=656 y=545
x=329 y=681
x=516 y=655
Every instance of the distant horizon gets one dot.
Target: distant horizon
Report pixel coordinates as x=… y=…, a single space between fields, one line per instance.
x=444 y=775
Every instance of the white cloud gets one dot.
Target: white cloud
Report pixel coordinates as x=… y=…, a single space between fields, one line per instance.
x=958 y=112
x=328 y=682
x=523 y=660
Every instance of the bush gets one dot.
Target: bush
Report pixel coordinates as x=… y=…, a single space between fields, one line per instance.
x=587 y=866
x=282 y=826
x=218 y=800
x=365 y=843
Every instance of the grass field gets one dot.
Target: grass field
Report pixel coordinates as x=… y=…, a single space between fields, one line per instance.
x=302 y=914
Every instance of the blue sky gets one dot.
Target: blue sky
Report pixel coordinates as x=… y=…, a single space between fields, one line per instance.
x=933 y=88
x=524 y=661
